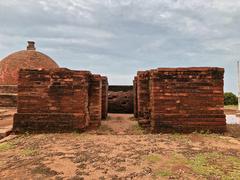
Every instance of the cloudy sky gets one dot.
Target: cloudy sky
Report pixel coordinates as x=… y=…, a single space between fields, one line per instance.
x=119 y=37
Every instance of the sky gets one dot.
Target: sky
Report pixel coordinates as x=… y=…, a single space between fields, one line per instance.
x=119 y=37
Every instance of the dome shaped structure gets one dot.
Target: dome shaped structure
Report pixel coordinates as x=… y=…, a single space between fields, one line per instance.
x=25 y=59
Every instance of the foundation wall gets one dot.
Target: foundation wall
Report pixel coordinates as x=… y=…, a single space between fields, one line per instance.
x=183 y=99
x=57 y=100
x=8 y=96
x=120 y=99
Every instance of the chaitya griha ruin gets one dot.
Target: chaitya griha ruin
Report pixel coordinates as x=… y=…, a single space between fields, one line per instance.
x=50 y=98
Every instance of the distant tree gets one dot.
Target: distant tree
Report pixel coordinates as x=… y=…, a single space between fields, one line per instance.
x=230 y=99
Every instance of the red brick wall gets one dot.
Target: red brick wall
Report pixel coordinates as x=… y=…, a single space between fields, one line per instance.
x=104 y=97
x=143 y=98
x=120 y=99
x=8 y=95
x=57 y=100
x=95 y=101
x=185 y=99
x=135 y=101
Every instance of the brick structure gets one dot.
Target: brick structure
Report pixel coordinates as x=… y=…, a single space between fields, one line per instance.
x=183 y=99
x=104 y=97
x=95 y=101
x=10 y=66
x=120 y=99
x=143 y=98
x=135 y=101
x=8 y=96
x=57 y=100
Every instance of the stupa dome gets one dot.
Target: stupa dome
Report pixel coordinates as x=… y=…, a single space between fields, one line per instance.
x=25 y=59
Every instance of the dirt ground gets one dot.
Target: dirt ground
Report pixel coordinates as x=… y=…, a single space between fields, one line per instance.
x=119 y=149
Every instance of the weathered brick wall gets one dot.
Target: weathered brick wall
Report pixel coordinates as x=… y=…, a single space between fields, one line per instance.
x=8 y=100
x=55 y=100
x=135 y=100
x=95 y=101
x=104 y=97
x=8 y=96
x=8 y=89
x=185 y=99
x=143 y=98
x=120 y=99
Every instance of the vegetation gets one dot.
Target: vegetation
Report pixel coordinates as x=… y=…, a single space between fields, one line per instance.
x=29 y=152
x=6 y=146
x=230 y=99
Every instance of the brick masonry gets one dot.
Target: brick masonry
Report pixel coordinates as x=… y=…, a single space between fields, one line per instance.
x=183 y=99
x=95 y=101
x=104 y=97
x=8 y=95
x=120 y=99
x=57 y=100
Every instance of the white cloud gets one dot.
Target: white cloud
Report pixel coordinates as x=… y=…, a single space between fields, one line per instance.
x=119 y=37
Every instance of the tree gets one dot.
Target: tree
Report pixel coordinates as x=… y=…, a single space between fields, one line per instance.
x=230 y=99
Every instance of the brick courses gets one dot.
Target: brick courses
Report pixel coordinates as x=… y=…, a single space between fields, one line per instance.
x=8 y=95
x=57 y=100
x=120 y=99
x=104 y=97
x=95 y=101
x=183 y=99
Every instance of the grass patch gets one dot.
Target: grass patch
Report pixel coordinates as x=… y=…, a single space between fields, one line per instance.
x=136 y=129
x=6 y=146
x=163 y=173
x=153 y=158
x=181 y=138
x=29 y=152
x=215 y=165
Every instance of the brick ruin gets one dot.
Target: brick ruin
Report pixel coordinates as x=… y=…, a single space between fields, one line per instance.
x=183 y=99
x=104 y=97
x=59 y=100
x=120 y=99
x=8 y=96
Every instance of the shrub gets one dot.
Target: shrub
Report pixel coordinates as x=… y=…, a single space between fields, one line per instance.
x=230 y=99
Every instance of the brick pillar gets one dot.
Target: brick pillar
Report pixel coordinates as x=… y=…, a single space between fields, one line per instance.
x=143 y=98
x=104 y=97
x=95 y=103
x=135 y=100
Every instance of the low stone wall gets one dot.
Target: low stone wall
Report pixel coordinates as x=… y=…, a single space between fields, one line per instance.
x=183 y=99
x=57 y=100
x=120 y=99
x=8 y=96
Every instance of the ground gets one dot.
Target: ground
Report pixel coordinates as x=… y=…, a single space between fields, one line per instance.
x=119 y=149
x=230 y=109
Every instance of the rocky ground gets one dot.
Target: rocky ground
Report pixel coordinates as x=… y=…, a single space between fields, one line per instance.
x=121 y=150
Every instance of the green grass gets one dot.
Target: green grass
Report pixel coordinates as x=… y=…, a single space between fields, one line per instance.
x=6 y=146
x=163 y=173
x=215 y=165
x=153 y=158
x=29 y=152
x=207 y=165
